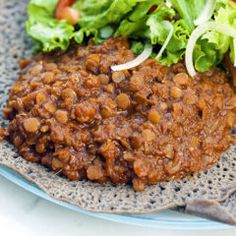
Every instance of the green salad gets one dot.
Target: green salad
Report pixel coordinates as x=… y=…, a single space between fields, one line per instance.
x=201 y=31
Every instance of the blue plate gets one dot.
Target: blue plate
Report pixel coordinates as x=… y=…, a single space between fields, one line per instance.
x=162 y=220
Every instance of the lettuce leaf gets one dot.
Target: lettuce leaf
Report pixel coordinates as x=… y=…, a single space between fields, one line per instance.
x=188 y=10
x=49 y=5
x=137 y=47
x=91 y=7
x=113 y=14
x=177 y=45
x=157 y=30
x=212 y=46
x=79 y=36
x=49 y=33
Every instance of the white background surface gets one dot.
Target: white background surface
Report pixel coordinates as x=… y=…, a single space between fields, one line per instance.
x=24 y=214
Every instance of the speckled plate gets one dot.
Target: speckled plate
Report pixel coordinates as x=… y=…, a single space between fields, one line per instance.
x=162 y=220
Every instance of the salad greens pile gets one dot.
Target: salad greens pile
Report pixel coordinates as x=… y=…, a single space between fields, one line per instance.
x=141 y=21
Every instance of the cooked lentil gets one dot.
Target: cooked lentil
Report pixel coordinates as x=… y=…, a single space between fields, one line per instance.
x=2 y=133
x=142 y=126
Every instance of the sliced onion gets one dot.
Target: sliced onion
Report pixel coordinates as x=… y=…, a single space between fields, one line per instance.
x=168 y=3
x=197 y=33
x=137 y=61
x=207 y=12
x=171 y=27
x=234 y=46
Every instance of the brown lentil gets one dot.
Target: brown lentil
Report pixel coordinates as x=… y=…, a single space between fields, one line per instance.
x=68 y=93
x=44 y=129
x=154 y=116
x=61 y=116
x=148 y=135
x=118 y=76
x=2 y=133
x=85 y=112
x=123 y=101
x=48 y=77
x=95 y=172
x=40 y=98
x=182 y=79
x=50 y=107
x=31 y=125
x=104 y=79
x=176 y=92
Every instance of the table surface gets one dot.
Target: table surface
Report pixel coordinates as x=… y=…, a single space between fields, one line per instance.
x=24 y=214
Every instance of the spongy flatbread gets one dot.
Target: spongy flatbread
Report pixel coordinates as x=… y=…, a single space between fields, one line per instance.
x=196 y=193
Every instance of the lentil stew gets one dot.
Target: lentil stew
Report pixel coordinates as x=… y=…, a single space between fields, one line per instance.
x=69 y=112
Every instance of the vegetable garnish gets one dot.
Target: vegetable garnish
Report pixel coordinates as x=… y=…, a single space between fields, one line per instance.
x=234 y=46
x=64 y=11
x=207 y=26
x=207 y=12
x=137 y=61
x=168 y=25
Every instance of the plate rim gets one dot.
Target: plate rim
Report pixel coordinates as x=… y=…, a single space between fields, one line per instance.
x=138 y=220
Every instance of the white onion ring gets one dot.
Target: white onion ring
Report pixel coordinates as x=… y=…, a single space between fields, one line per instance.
x=197 y=33
x=167 y=24
x=136 y=62
x=234 y=45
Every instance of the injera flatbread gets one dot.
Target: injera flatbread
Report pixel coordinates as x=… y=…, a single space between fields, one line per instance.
x=209 y=194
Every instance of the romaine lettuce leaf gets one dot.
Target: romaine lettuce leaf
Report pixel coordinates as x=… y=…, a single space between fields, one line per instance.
x=189 y=10
x=137 y=47
x=158 y=32
x=49 y=5
x=79 y=36
x=48 y=32
x=135 y=24
x=176 y=48
x=91 y=7
x=113 y=14
x=212 y=46
x=132 y=29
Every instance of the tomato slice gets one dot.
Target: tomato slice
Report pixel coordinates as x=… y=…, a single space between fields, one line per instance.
x=152 y=9
x=64 y=11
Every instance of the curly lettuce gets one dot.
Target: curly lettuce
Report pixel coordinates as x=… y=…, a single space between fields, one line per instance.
x=212 y=47
x=49 y=33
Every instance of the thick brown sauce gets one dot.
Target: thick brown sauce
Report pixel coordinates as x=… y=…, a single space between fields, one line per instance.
x=142 y=126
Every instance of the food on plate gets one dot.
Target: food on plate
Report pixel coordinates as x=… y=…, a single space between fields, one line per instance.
x=152 y=123
x=129 y=92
